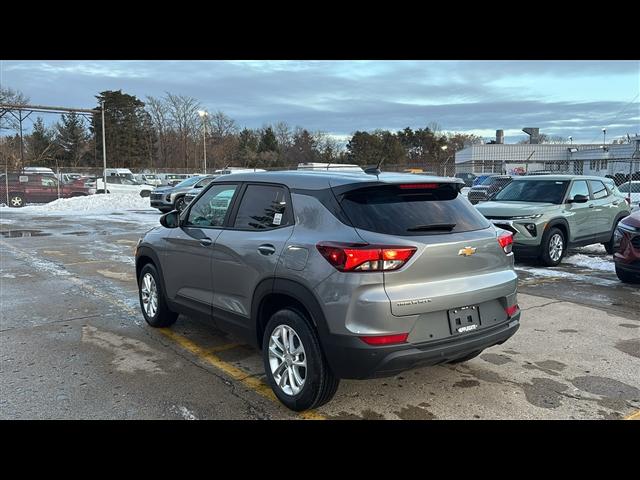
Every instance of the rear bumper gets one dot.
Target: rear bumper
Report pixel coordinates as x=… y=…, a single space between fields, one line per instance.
x=350 y=357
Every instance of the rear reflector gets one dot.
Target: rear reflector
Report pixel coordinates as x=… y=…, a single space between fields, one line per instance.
x=385 y=339
x=512 y=310
x=506 y=242
x=418 y=186
x=358 y=257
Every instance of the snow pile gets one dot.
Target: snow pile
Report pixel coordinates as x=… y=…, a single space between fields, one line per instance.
x=597 y=249
x=595 y=263
x=92 y=204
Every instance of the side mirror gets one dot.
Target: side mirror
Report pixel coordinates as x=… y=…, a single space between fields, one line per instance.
x=579 y=199
x=171 y=219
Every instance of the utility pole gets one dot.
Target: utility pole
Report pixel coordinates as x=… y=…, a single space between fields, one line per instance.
x=203 y=115
x=104 y=152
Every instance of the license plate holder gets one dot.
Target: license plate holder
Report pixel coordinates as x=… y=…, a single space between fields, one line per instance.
x=464 y=319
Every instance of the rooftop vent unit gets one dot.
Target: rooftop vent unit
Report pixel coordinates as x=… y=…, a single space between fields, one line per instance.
x=534 y=134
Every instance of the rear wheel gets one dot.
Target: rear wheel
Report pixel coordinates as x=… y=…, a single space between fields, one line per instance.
x=16 y=200
x=152 y=299
x=627 y=277
x=294 y=363
x=553 y=247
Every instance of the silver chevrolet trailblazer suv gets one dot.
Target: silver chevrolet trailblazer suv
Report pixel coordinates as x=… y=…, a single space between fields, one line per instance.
x=334 y=274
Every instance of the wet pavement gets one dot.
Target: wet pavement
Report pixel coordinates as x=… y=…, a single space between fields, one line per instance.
x=73 y=344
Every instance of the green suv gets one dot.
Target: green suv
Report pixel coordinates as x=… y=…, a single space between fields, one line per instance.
x=549 y=213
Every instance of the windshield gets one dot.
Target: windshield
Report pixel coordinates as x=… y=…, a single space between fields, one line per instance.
x=188 y=182
x=487 y=181
x=538 y=191
x=635 y=187
x=204 y=182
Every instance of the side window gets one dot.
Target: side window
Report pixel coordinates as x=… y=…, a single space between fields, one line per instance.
x=598 y=189
x=114 y=179
x=262 y=207
x=579 y=187
x=48 y=182
x=211 y=208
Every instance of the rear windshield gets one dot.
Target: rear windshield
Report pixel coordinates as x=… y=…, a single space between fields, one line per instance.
x=396 y=211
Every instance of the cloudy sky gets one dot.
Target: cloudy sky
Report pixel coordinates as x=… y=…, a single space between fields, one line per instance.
x=576 y=98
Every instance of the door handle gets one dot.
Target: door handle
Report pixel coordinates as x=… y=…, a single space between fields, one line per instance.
x=267 y=249
x=206 y=242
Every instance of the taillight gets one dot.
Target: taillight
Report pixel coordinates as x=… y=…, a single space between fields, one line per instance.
x=362 y=257
x=385 y=339
x=512 y=310
x=506 y=242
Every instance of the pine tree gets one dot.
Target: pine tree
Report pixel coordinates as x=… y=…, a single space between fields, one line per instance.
x=72 y=138
x=40 y=145
x=268 y=141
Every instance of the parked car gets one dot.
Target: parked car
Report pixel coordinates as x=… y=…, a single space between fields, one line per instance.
x=26 y=188
x=197 y=188
x=310 y=269
x=166 y=199
x=148 y=179
x=466 y=177
x=122 y=184
x=627 y=249
x=632 y=188
x=491 y=185
x=550 y=213
x=172 y=179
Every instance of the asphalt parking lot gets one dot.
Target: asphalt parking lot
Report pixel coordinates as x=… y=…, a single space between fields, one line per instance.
x=74 y=344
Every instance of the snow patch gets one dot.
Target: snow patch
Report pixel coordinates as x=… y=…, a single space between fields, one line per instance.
x=92 y=203
x=604 y=264
x=597 y=249
x=184 y=412
x=551 y=273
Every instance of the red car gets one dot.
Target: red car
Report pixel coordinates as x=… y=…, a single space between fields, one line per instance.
x=627 y=249
x=26 y=188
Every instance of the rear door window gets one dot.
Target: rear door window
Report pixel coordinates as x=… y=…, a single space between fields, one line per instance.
x=406 y=210
x=263 y=207
x=598 y=189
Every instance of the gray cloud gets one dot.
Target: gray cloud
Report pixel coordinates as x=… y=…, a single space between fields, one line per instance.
x=341 y=97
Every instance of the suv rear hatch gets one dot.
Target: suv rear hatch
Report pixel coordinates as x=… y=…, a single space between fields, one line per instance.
x=458 y=259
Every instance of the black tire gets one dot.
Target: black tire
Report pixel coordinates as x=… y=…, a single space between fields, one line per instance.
x=16 y=200
x=549 y=236
x=163 y=317
x=466 y=358
x=179 y=204
x=609 y=246
x=627 y=277
x=145 y=193
x=320 y=385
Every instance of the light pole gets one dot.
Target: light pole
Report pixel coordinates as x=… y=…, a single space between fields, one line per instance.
x=604 y=137
x=104 y=153
x=443 y=148
x=203 y=114
x=570 y=140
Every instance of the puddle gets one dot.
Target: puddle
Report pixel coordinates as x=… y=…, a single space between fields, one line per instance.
x=23 y=233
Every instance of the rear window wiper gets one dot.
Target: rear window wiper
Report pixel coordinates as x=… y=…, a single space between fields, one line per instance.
x=447 y=227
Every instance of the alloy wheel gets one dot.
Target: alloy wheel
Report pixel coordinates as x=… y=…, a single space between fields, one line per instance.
x=149 y=294
x=287 y=359
x=556 y=247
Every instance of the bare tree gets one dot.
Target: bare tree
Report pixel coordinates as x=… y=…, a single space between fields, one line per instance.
x=159 y=113
x=13 y=97
x=183 y=112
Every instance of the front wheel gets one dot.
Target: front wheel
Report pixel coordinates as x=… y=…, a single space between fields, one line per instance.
x=180 y=204
x=553 y=247
x=609 y=246
x=294 y=363
x=152 y=299
x=627 y=277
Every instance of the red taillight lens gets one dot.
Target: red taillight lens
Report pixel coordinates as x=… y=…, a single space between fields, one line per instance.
x=385 y=339
x=355 y=257
x=418 y=186
x=506 y=242
x=512 y=310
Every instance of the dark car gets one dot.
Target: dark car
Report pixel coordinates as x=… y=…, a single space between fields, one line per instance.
x=627 y=249
x=166 y=199
x=466 y=177
x=26 y=188
x=488 y=187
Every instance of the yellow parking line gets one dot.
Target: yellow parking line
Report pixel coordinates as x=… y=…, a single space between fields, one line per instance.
x=633 y=416
x=234 y=372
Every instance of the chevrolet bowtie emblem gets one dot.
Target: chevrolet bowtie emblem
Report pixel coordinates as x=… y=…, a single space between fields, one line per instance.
x=467 y=251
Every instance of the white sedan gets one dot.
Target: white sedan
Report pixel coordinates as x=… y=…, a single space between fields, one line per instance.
x=634 y=186
x=119 y=184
